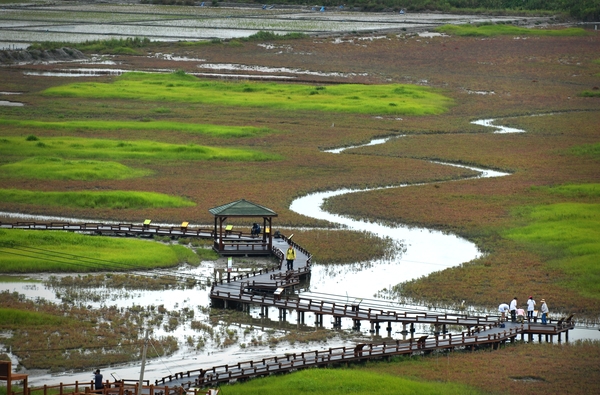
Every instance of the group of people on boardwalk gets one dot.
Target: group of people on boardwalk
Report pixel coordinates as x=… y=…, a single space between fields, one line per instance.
x=518 y=314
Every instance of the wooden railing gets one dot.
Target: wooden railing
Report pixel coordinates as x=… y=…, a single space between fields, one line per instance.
x=352 y=311
x=110 y=388
x=249 y=369
x=118 y=228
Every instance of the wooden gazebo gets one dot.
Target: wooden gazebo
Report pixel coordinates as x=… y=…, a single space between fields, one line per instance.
x=228 y=241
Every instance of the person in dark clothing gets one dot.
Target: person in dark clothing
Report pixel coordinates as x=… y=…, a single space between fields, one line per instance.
x=98 y=384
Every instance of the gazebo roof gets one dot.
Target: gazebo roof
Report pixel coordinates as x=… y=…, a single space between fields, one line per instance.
x=242 y=208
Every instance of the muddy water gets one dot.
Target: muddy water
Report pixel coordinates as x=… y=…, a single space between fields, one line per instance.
x=424 y=251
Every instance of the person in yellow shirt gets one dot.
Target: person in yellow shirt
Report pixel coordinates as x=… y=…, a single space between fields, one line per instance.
x=290 y=256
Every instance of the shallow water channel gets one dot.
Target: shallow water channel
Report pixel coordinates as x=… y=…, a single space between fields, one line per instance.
x=423 y=251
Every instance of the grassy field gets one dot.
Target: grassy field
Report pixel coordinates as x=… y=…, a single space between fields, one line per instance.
x=90 y=148
x=93 y=199
x=491 y=30
x=391 y=99
x=144 y=124
x=53 y=168
x=14 y=318
x=34 y=251
x=568 y=236
x=345 y=381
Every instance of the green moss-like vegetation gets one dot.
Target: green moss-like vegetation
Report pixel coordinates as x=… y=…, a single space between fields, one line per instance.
x=592 y=150
x=489 y=30
x=574 y=191
x=43 y=168
x=94 y=199
x=265 y=36
x=569 y=234
x=55 y=251
x=351 y=98
x=595 y=93
x=146 y=124
x=345 y=381
x=73 y=147
x=11 y=318
x=126 y=46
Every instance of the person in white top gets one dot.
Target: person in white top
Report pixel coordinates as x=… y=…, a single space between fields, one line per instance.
x=530 y=308
x=545 y=311
x=503 y=309
x=513 y=310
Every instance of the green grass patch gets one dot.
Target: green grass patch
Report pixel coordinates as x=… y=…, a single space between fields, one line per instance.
x=124 y=46
x=91 y=149
x=180 y=87
x=25 y=251
x=569 y=235
x=490 y=30
x=11 y=318
x=146 y=124
x=592 y=150
x=17 y=279
x=266 y=36
x=207 y=254
x=344 y=381
x=94 y=199
x=594 y=93
x=575 y=191
x=44 y=168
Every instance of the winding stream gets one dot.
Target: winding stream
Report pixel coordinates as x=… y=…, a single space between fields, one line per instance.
x=425 y=250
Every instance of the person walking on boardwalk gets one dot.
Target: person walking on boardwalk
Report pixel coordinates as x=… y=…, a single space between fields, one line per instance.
x=513 y=310
x=290 y=256
x=530 y=308
x=544 y=310
x=503 y=309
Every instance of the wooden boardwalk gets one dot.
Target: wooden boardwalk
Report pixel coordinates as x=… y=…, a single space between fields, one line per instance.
x=334 y=356
x=234 y=242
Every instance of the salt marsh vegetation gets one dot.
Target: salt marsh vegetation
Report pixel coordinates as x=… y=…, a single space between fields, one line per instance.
x=491 y=30
x=94 y=199
x=48 y=168
x=144 y=124
x=90 y=148
x=55 y=251
x=362 y=99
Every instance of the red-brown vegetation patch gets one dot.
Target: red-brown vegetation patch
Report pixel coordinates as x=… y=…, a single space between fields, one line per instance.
x=554 y=368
